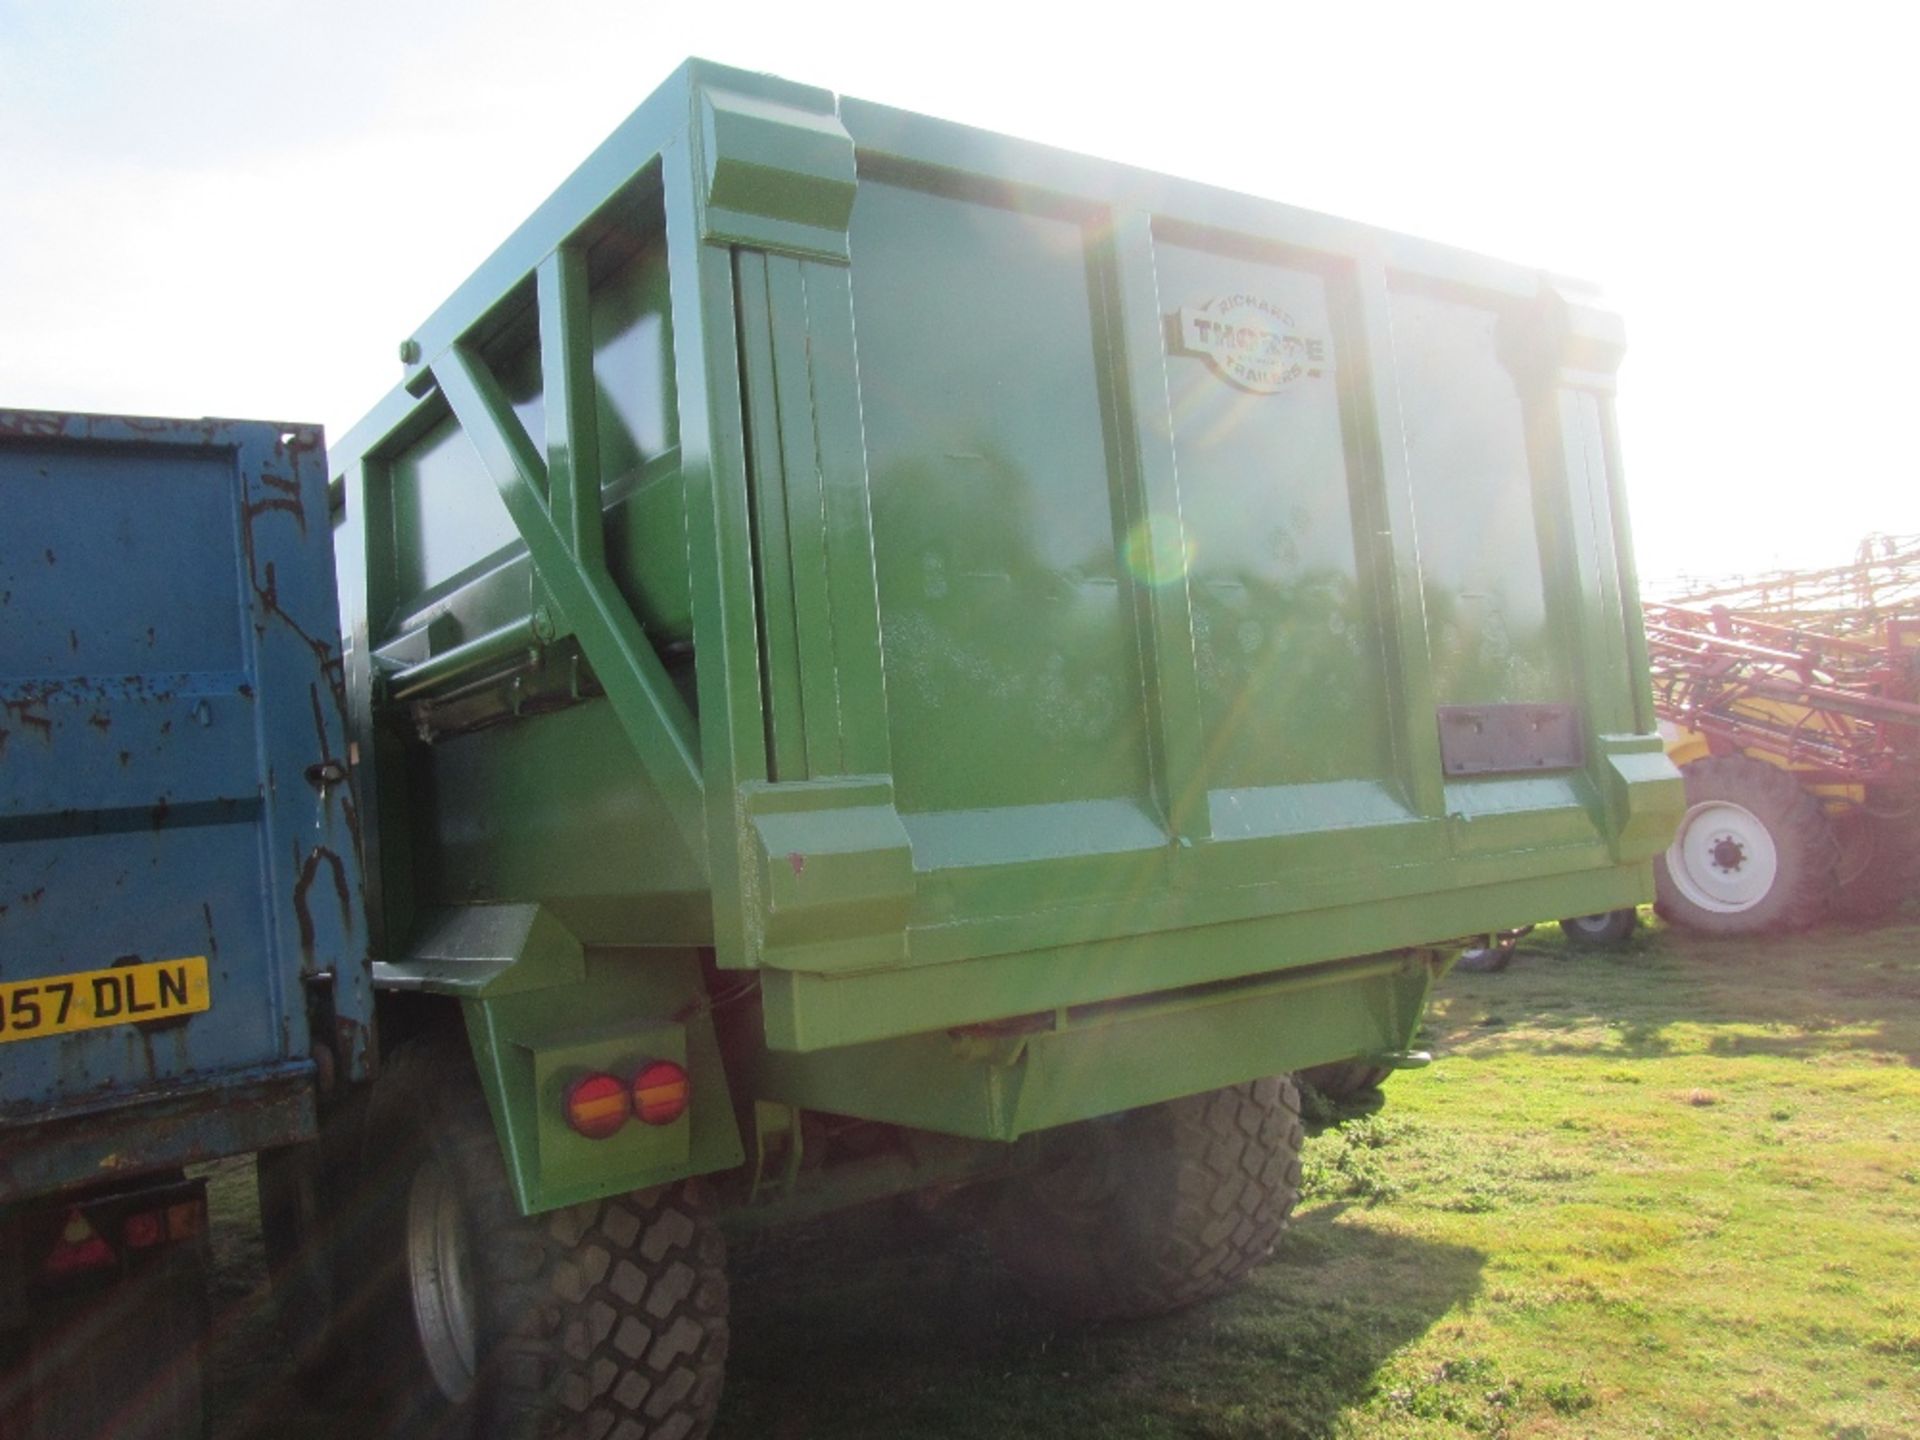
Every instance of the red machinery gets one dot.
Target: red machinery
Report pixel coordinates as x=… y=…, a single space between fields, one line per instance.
x=1793 y=702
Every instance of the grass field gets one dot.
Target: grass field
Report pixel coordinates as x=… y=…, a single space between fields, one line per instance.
x=1667 y=1191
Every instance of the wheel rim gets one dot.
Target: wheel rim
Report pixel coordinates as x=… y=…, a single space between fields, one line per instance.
x=440 y=1277
x=1723 y=860
x=1589 y=924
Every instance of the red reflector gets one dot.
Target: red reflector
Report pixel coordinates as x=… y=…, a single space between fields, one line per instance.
x=660 y=1093
x=597 y=1106
x=143 y=1232
x=80 y=1248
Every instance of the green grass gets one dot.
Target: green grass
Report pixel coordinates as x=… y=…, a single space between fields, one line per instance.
x=1668 y=1191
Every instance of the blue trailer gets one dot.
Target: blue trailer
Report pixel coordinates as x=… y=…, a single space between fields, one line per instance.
x=183 y=950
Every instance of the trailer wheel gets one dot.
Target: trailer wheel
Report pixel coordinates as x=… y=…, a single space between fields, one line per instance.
x=1754 y=852
x=605 y=1318
x=1154 y=1209
x=1344 y=1079
x=1606 y=927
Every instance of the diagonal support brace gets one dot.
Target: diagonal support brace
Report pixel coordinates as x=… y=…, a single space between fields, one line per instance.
x=651 y=712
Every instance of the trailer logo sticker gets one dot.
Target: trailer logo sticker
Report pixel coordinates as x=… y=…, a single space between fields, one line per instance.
x=90 y=999
x=1251 y=342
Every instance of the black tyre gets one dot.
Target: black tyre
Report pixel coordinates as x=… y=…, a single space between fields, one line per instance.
x=1754 y=854
x=1344 y=1079
x=1155 y=1209
x=1874 y=876
x=605 y=1318
x=1484 y=959
x=1607 y=927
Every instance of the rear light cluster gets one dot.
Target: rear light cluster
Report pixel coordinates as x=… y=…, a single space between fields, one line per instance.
x=80 y=1246
x=597 y=1105
x=157 y=1227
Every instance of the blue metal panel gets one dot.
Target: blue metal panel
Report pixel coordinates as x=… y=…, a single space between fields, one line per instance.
x=173 y=762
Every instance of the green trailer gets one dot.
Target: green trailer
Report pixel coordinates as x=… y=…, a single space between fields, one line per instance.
x=891 y=659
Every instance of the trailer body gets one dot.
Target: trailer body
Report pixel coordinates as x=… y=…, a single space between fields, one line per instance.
x=182 y=942
x=1043 y=637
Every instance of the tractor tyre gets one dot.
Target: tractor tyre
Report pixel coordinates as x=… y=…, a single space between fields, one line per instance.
x=603 y=1318
x=1151 y=1210
x=1600 y=930
x=1755 y=853
x=1344 y=1079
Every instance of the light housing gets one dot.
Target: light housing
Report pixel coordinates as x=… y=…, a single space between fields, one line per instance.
x=661 y=1092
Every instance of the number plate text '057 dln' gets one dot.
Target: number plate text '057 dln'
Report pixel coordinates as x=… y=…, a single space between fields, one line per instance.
x=89 y=999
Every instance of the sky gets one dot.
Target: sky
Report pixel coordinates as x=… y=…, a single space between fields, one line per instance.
x=239 y=207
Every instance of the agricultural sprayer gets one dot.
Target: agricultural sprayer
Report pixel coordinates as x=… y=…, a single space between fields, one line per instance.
x=1791 y=703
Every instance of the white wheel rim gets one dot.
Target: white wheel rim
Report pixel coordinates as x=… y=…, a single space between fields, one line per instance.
x=1590 y=924
x=1723 y=859
x=440 y=1277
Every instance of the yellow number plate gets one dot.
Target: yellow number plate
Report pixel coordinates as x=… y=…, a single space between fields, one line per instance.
x=89 y=999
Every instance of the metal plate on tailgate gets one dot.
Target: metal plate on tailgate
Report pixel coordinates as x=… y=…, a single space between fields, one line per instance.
x=1509 y=739
x=91 y=999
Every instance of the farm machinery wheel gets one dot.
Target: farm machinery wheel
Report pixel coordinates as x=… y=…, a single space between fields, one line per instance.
x=1607 y=927
x=1755 y=852
x=1876 y=867
x=1343 y=1079
x=1154 y=1209
x=608 y=1317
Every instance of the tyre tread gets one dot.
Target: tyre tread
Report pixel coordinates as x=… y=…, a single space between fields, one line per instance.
x=566 y=1294
x=1231 y=1170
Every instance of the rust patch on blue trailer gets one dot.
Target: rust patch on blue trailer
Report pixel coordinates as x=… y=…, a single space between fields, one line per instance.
x=287 y=500
x=257 y=508
x=303 y=913
x=353 y=1043
x=31 y=424
x=168 y=1125
x=30 y=710
x=266 y=586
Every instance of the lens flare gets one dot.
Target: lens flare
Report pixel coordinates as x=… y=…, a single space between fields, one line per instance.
x=1158 y=550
